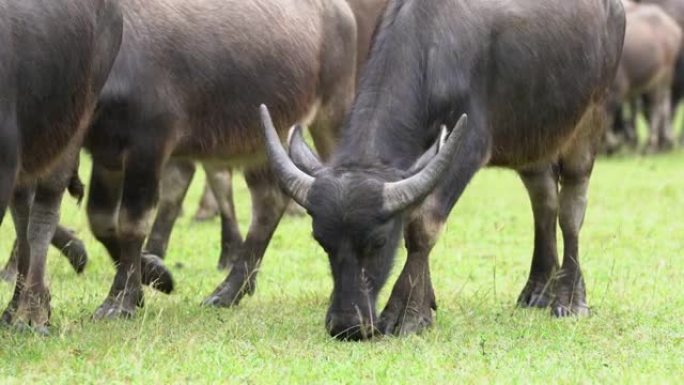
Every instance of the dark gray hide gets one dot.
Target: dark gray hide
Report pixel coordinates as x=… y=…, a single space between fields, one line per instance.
x=54 y=59
x=179 y=172
x=188 y=83
x=532 y=77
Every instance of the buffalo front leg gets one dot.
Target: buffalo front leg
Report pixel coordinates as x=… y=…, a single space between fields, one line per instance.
x=542 y=186
x=268 y=206
x=220 y=181
x=138 y=198
x=20 y=208
x=410 y=307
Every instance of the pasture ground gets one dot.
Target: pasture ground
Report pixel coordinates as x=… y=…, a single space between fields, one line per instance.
x=632 y=251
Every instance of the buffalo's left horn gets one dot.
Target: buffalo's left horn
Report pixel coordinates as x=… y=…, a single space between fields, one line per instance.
x=397 y=196
x=294 y=181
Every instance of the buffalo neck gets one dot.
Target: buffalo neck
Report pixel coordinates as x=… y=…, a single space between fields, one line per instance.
x=387 y=124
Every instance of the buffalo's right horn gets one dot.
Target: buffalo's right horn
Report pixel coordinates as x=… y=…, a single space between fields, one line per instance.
x=301 y=153
x=294 y=181
x=397 y=196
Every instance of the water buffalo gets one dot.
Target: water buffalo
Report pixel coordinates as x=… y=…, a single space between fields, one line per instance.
x=652 y=46
x=51 y=71
x=187 y=83
x=532 y=77
x=179 y=173
x=675 y=9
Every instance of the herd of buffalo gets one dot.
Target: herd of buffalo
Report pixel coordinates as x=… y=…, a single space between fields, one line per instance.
x=405 y=100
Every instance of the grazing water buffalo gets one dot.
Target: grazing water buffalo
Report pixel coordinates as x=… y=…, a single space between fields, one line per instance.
x=179 y=173
x=652 y=46
x=54 y=58
x=187 y=83
x=532 y=77
x=675 y=9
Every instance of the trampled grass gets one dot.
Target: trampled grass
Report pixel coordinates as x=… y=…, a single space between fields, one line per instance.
x=632 y=251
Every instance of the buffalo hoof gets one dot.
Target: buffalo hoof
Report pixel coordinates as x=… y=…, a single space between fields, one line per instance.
x=122 y=306
x=77 y=255
x=410 y=314
x=570 y=298
x=8 y=274
x=33 y=312
x=536 y=294
x=155 y=274
x=232 y=290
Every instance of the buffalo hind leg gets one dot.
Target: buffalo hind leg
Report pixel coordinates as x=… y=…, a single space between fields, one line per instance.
x=34 y=303
x=71 y=247
x=220 y=181
x=410 y=307
x=576 y=164
x=174 y=186
x=21 y=209
x=268 y=206
x=542 y=186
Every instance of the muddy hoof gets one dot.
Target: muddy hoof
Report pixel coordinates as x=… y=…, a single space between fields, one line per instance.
x=77 y=255
x=536 y=294
x=155 y=274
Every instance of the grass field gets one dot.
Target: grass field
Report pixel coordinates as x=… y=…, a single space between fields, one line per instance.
x=632 y=250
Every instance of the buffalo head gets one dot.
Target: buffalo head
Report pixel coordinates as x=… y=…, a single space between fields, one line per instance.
x=357 y=217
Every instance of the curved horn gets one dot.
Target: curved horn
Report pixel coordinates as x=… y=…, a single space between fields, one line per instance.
x=431 y=152
x=301 y=153
x=397 y=196
x=293 y=180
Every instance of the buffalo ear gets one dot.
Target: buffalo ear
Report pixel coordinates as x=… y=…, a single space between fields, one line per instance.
x=300 y=152
x=430 y=153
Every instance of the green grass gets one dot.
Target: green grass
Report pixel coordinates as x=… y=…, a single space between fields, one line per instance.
x=632 y=250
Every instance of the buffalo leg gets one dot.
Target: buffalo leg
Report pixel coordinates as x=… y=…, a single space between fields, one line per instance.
x=34 y=303
x=21 y=209
x=409 y=309
x=9 y=272
x=71 y=247
x=220 y=181
x=268 y=206
x=208 y=206
x=542 y=187
x=65 y=241
x=138 y=198
x=659 y=137
x=174 y=186
x=576 y=164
